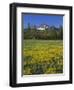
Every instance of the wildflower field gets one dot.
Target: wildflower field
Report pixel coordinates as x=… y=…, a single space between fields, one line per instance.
x=42 y=57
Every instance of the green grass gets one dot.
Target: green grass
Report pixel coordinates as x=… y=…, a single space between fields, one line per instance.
x=42 y=57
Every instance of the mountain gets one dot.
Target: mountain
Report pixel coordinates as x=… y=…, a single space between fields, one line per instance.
x=43 y=27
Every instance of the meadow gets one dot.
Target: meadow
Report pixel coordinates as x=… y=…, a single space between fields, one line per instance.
x=42 y=57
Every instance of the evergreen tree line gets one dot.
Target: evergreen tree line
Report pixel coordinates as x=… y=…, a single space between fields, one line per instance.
x=51 y=33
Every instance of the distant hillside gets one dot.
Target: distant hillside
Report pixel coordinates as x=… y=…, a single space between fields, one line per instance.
x=43 y=32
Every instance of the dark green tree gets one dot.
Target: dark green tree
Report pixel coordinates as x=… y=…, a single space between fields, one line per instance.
x=61 y=32
x=29 y=27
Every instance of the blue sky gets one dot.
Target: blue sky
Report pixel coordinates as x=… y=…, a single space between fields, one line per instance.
x=36 y=19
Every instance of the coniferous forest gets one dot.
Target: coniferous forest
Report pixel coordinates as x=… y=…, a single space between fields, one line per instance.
x=51 y=33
